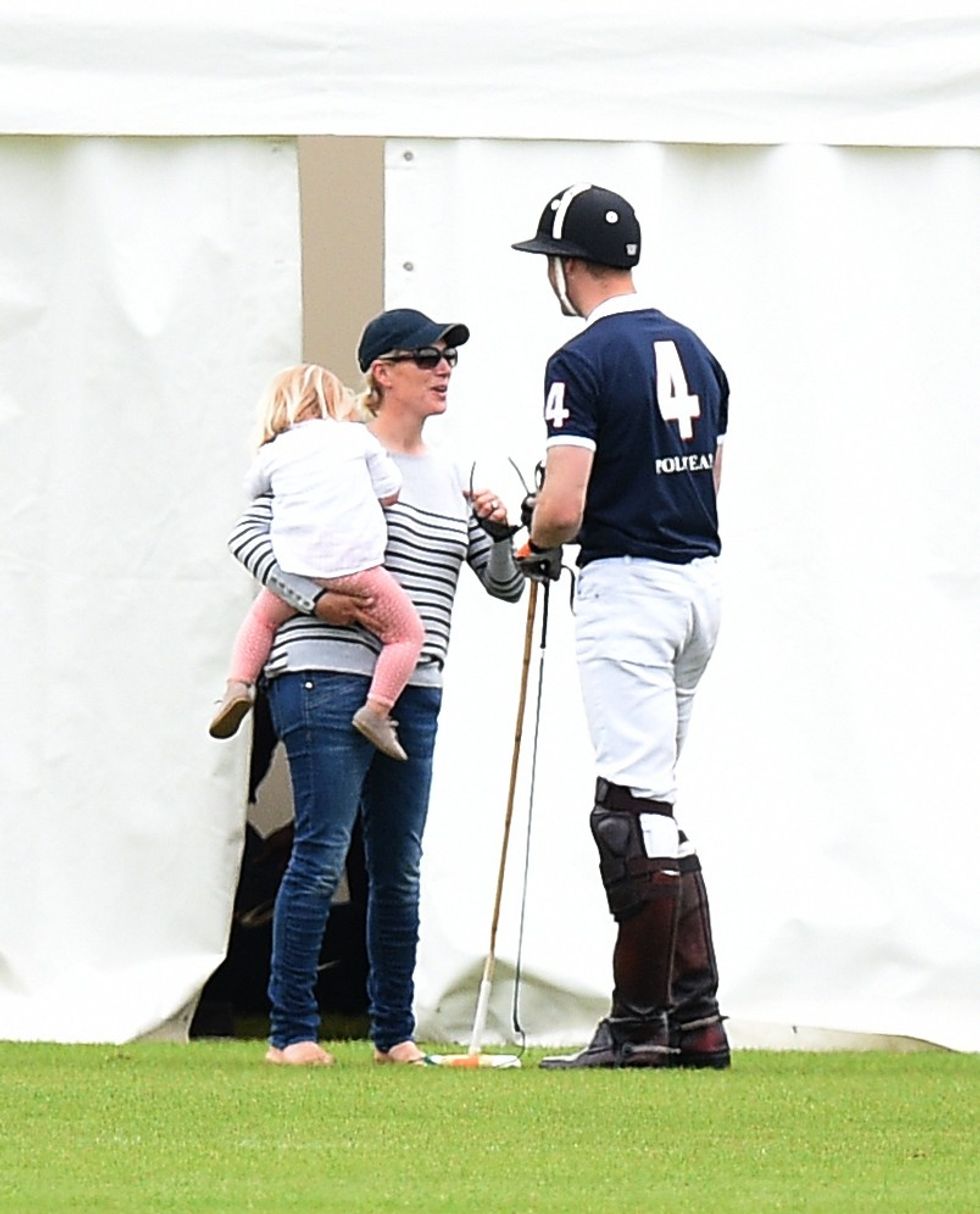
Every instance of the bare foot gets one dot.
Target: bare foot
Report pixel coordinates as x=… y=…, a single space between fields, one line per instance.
x=405 y=1052
x=300 y=1053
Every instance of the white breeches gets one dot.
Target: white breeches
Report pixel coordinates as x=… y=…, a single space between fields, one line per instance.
x=644 y=633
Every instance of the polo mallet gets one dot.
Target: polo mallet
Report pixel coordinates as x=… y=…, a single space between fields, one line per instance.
x=473 y=1057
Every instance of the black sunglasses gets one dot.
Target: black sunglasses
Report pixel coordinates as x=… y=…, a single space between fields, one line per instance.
x=428 y=357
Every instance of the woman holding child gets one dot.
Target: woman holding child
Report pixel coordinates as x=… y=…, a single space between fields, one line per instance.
x=318 y=675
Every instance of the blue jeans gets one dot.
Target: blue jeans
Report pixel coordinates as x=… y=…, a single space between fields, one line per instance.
x=335 y=771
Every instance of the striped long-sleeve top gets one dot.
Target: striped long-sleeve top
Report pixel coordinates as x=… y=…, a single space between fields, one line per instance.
x=431 y=532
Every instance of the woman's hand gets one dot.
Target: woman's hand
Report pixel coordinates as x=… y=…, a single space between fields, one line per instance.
x=491 y=513
x=341 y=609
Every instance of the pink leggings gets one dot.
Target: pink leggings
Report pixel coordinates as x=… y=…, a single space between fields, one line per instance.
x=393 y=620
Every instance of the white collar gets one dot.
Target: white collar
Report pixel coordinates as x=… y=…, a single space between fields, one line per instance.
x=631 y=302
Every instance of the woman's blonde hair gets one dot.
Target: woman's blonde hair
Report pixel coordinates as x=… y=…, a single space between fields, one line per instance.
x=298 y=394
x=367 y=403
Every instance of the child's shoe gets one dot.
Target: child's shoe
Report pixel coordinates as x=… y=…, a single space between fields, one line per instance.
x=380 y=730
x=234 y=707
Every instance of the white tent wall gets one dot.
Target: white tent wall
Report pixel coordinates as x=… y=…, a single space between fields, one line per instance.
x=830 y=775
x=149 y=286
x=885 y=72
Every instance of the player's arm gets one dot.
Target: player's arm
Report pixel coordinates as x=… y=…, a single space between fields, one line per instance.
x=561 y=499
x=716 y=467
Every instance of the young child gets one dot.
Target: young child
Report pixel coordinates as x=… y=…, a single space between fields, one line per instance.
x=329 y=478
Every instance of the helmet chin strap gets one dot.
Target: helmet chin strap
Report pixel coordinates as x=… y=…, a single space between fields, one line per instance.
x=561 y=287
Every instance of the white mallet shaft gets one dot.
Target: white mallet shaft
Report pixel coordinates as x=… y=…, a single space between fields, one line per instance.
x=480 y=1018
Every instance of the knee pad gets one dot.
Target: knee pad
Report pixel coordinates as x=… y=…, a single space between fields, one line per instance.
x=630 y=876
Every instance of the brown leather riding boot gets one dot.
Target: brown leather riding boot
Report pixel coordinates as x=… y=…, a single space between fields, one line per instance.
x=636 y=1033
x=696 y=1029
x=642 y=961
x=600 y=1052
x=640 y=1039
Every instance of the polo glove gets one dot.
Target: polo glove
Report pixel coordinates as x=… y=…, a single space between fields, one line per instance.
x=539 y=564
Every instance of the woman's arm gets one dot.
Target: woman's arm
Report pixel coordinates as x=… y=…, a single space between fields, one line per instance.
x=493 y=564
x=250 y=544
x=492 y=560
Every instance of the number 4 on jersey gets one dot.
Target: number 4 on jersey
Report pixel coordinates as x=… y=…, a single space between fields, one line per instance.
x=554 y=407
x=675 y=401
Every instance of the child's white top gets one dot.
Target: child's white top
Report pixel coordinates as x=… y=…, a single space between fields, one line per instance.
x=326 y=477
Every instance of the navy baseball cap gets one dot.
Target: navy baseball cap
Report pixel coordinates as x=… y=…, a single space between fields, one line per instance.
x=405 y=329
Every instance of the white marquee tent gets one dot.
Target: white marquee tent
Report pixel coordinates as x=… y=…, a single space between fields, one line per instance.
x=807 y=176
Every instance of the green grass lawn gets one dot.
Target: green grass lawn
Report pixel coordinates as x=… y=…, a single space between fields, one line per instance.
x=208 y=1126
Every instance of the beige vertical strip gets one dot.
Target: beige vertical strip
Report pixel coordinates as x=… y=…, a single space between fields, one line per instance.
x=342 y=203
x=341 y=184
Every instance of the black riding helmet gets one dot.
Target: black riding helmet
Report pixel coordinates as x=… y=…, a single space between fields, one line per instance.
x=589 y=222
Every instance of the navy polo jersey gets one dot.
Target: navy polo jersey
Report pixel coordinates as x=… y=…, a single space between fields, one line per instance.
x=647 y=396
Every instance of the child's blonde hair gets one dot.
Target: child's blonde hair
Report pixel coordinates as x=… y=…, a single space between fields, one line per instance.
x=298 y=394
